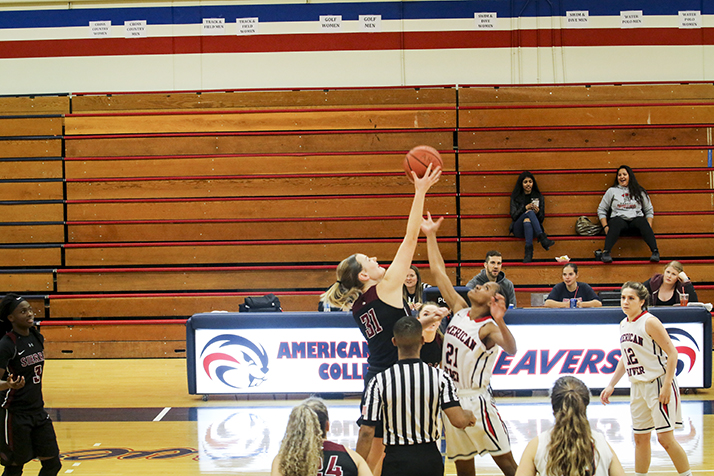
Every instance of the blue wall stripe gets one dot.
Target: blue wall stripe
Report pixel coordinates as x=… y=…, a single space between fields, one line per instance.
x=350 y=11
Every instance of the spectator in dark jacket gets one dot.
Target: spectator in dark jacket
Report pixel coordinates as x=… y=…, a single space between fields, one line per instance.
x=528 y=213
x=665 y=289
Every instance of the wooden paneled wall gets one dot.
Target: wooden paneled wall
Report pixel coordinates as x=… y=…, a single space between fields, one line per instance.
x=158 y=206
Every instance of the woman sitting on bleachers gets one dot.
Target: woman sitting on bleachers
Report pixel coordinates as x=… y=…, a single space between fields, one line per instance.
x=570 y=288
x=626 y=206
x=413 y=289
x=528 y=213
x=666 y=289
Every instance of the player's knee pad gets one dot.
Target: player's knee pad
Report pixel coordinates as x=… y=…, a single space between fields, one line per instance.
x=12 y=470
x=50 y=467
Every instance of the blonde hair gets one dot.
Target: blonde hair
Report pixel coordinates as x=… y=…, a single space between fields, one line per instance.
x=571 y=451
x=676 y=265
x=348 y=286
x=301 y=449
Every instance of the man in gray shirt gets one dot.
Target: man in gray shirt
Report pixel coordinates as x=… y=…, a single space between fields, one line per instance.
x=492 y=272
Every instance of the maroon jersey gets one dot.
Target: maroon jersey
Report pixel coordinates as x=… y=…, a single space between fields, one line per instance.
x=376 y=320
x=23 y=356
x=336 y=461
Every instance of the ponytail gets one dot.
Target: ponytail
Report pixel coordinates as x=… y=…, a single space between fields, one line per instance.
x=301 y=449
x=571 y=451
x=348 y=286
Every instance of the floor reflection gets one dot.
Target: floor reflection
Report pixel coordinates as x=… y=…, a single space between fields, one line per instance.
x=245 y=439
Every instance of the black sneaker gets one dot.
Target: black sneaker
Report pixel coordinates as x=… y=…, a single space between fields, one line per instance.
x=655 y=256
x=606 y=258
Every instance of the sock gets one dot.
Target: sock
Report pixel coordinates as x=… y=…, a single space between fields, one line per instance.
x=686 y=473
x=640 y=474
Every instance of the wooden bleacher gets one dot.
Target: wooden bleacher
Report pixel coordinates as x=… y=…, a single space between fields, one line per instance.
x=158 y=206
x=573 y=139
x=171 y=199
x=31 y=195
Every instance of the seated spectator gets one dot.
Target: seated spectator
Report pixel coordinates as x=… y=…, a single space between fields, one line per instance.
x=433 y=336
x=413 y=289
x=626 y=206
x=570 y=288
x=305 y=449
x=492 y=272
x=528 y=213
x=665 y=289
x=571 y=446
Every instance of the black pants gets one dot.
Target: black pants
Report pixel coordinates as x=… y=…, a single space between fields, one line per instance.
x=379 y=428
x=413 y=460
x=617 y=225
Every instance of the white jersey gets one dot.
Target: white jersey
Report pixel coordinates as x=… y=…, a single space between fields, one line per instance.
x=603 y=455
x=464 y=356
x=644 y=360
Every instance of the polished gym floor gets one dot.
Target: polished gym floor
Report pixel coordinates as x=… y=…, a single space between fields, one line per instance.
x=135 y=417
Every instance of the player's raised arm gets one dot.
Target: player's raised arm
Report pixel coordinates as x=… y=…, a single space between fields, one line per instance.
x=437 y=266
x=390 y=288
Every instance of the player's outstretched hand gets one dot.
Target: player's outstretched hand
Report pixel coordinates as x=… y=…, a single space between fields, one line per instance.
x=15 y=382
x=431 y=176
x=498 y=306
x=429 y=226
x=605 y=394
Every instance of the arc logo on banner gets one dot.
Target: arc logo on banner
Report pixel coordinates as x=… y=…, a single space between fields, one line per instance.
x=235 y=361
x=280 y=360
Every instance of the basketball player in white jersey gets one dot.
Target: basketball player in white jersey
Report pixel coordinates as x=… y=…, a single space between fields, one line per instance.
x=650 y=360
x=470 y=350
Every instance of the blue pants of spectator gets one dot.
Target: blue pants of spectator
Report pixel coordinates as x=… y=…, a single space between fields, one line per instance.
x=527 y=230
x=619 y=225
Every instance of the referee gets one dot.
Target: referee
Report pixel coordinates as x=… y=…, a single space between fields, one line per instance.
x=407 y=398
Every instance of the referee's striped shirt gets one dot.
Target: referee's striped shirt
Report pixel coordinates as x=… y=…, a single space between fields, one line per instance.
x=408 y=397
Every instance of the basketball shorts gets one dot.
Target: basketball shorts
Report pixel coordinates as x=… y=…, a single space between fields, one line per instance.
x=648 y=413
x=26 y=436
x=488 y=435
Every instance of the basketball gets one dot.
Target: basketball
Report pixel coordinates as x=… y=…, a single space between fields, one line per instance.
x=419 y=158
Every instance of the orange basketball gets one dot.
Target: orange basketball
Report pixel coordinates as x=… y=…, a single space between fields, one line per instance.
x=419 y=158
